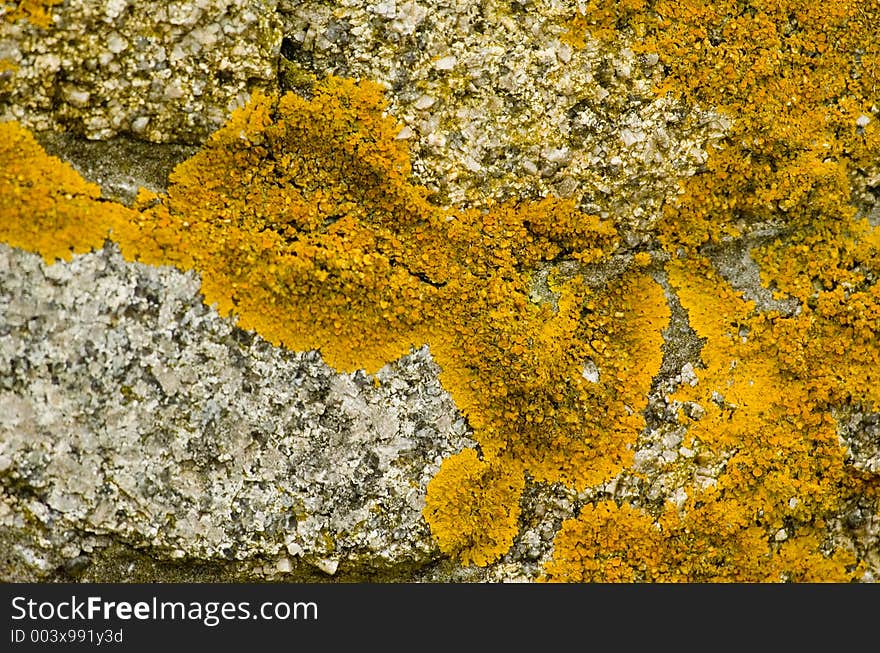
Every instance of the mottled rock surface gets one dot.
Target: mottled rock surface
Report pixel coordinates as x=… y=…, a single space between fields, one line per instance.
x=129 y=409
x=497 y=104
x=145 y=437
x=163 y=72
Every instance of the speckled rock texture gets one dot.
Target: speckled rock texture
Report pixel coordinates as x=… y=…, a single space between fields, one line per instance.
x=144 y=436
x=127 y=407
x=165 y=72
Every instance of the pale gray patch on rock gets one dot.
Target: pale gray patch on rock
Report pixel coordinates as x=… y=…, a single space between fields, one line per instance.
x=859 y=431
x=131 y=412
x=734 y=262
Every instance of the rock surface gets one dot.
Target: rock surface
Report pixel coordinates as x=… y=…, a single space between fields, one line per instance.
x=128 y=408
x=168 y=72
x=497 y=104
x=145 y=437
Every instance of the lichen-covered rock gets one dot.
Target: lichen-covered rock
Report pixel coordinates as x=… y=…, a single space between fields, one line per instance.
x=503 y=100
x=664 y=341
x=163 y=72
x=130 y=411
x=860 y=432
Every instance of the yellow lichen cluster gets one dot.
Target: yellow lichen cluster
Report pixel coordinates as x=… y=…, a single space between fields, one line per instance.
x=834 y=344
x=765 y=517
x=473 y=507
x=36 y=12
x=608 y=544
x=300 y=218
x=46 y=207
x=302 y=221
x=799 y=79
x=784 y=473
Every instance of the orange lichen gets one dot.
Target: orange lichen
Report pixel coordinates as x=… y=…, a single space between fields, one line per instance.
x=281 y=213
x=766 y=386
x=528 y=398
x=46 y=207
x=797 y=78
x=36 y=12
x=301 y=219
x=785 y=473
x=601 y=20
x=473 y=507
x=834 y=345
x=607 y=544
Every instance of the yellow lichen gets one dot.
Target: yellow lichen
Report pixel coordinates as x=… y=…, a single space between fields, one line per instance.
x=301 y=219
x=797 y=78
x=766 y=387
x=798 y=81
x=36 y=12
x=784 y=473
x=608 y=544
x=834 y=344
x=45 y=206
x=473 y=507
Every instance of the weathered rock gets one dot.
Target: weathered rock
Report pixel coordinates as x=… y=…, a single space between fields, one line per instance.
x=496 y=104
x=163 y=72
x=130 y=412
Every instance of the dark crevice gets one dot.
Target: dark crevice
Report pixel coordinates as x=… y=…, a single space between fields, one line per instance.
x=421 y=276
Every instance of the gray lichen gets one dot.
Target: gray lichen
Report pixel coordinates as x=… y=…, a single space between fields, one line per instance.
x=131 y=412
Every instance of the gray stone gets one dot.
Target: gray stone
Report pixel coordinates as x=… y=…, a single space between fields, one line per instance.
x=131 y=412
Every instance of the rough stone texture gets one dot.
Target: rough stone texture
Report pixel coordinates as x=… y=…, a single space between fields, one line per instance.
x=492 y=100
x=129 y=409
x=860 y=432
x=163 y=72
x=858 y=526
x=144 y=437
x=496 y=105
